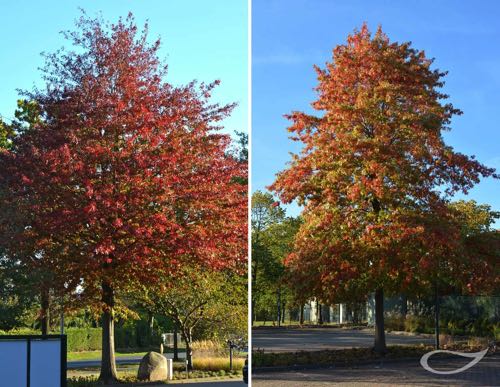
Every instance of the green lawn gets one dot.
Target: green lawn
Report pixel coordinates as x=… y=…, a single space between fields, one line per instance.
x=96 y=355
x=86 y=377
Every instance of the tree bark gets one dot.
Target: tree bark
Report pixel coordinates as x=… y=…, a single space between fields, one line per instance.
x=151 y=323
x=108 y=364
x=320 y=314
x=45 y=311
x=278 y=305
x=176 y=344
x=404 y=305
x=189 y=350
x=380 y=346
x=301 y=318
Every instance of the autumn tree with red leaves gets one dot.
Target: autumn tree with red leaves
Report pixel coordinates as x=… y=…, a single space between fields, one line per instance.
x=128 y=176
x=375 y=176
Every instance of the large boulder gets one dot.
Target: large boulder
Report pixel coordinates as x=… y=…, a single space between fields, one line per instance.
x=153 y=367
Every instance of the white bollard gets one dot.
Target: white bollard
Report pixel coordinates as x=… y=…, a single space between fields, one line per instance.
x=170 y=369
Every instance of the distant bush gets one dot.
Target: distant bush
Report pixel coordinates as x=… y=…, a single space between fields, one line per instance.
x=478 y=327
x=333 y=357
x=418 y=324
x=209 y=348
x=90 y=339
x=84 y=339
x=394 y=322
x=217 y=364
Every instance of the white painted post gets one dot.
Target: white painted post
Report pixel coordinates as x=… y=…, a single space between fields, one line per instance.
x=341 y=314
x=170 y=369
x=314 y=311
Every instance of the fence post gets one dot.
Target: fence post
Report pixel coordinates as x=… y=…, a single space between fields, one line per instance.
x=436 y=315
x=28 y=365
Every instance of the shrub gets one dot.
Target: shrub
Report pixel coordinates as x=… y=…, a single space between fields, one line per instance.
x=496 y=331
x=217 y=364
x=136 y=334
x=82 y=381
x=415 y=324
x=84 y=339
x=394 y=322
x=333 y=357
x=209 y=348
x=446 y=340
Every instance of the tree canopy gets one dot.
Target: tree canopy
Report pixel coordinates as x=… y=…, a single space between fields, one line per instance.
x=375 y=175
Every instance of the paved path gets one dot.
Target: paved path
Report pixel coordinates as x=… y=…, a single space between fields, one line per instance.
x=119 y=360
x=315 y=339
x=410 y=373
x=219 y=383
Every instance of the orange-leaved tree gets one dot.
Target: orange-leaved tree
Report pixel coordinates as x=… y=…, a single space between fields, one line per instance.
x=375 y=176
x=128 y=176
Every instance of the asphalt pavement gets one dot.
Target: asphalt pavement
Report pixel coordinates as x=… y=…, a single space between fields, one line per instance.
x=119 y=360
x=407 y=373
x=218 y=383
x=316 y=339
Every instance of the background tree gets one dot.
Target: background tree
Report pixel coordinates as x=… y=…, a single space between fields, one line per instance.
x=481 y=247
x=6 y=134
x=375 y=175
x=127 y=176
x=24 y=257
x=216 y=300
x=277 y=239
x=17 y=300
x=265 y=211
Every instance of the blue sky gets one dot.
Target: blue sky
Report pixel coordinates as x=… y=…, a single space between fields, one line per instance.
x=288 y=37
x=203 y=40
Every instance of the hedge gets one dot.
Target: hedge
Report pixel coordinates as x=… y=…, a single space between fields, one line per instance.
x=89 y=339
x=84 y=339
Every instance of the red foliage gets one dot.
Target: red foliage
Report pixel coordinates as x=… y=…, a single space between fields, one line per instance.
x=127 y=175
x=375 y=175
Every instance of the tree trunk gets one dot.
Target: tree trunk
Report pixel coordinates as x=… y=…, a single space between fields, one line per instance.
x=380 y=347
x=283 y=312
x=301 y=318
x=108 y=364
x=278 y=305
x=320 y=314
x=189 y=350
x=254 y=285
x=151 y=322
x=45 y=311
x=176 y=344
x=404 y=305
